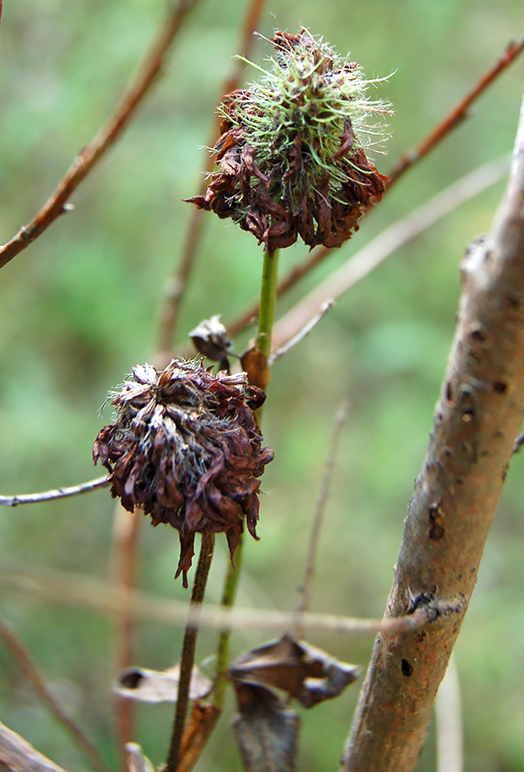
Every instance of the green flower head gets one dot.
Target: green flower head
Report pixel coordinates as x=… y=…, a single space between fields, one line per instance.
x=292 y=148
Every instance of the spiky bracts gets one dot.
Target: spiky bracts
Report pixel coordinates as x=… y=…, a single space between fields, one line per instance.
x=292 y=149
x=185 y=447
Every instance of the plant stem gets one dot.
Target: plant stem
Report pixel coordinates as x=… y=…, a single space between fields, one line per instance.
x=268 y=297
x=228 y=600
x=259 y=376
x=188 y=652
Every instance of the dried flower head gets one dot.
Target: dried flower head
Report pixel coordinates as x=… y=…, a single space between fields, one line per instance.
x=186 y=447
x=292 y=148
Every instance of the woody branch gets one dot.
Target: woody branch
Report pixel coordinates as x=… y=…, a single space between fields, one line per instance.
x=477 y=417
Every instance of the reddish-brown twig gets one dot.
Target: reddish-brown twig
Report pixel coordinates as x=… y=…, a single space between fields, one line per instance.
x=458 y=114
x=407 y=161
x=84 y=163
x=187 y=659
x=33 y=675
x=124 y=569
x=178 y=282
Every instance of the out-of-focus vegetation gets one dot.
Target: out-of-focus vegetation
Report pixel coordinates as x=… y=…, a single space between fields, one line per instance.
x=80 y=307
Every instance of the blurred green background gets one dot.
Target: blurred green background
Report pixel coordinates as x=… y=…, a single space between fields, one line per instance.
x=81 y=306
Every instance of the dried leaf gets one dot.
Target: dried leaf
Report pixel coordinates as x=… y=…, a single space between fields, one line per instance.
x=196 y=732
x=145 y=685
x=136 y=761
x=304 y=672
x=266 y=731
x=210 y=339
x=254 y=362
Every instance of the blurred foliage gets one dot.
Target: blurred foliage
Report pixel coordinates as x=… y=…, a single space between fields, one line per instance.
x=80 y=307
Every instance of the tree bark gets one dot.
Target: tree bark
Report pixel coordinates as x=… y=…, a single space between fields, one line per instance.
x=477 y=418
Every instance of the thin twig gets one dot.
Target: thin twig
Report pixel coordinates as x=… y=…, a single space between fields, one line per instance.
x=323 y=493
x=33 y=675
x=301 y=334
x=383 y=245
x=187 y=659
x=448 y=714
x=407 y=160
x=177 y=284
x=229 y=592
x=57 y=493
x=458 y=114
x=148 y=72
x=124 y=569
x=71 y=590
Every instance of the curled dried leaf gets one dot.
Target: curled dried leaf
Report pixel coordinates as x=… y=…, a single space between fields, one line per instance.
x=144 y=685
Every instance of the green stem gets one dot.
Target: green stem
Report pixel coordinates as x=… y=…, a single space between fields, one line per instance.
x=187 y=658
x=266 y=318
x=268 y=297
x=228 y=600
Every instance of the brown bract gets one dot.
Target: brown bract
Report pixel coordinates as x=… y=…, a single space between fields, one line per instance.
x=186 y=448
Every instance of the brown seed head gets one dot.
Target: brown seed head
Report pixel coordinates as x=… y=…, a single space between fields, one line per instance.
x=185 y=447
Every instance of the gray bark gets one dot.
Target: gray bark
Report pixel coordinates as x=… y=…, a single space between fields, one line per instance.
x=477 y=419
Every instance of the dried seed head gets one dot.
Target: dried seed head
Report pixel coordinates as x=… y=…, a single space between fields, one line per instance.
x=292 y=148
x=186 y=447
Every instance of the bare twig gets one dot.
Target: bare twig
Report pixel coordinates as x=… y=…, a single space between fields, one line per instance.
x=318 y=519
x=17 y=755
x=57 y=493
x=70 y=589
x=301 y=334
x=383 y=245
x=477 y=417
x=187 y=659
x=35 y=678
x=458 y=114
x=124 y=569
x=177 y=284
x=448 y=713
x=84 y=163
